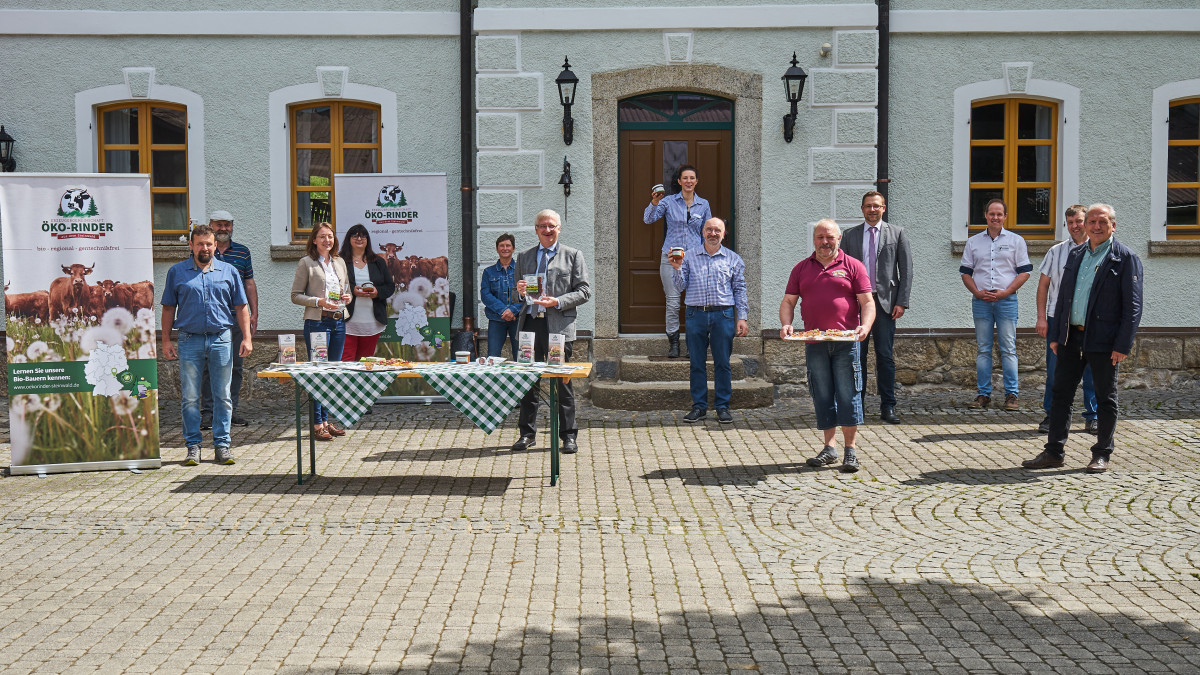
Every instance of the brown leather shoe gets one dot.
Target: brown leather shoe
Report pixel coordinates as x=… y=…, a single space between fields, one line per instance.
x=320 y=434
x=1011 y=402
x=334 y=429
x=1097 y=465
x=1044 y=460
x=980 y=402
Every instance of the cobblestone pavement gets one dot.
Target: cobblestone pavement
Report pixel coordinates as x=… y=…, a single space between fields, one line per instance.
x=424 y=545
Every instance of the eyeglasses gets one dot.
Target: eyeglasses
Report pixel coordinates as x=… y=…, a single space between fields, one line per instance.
x=359 y=235
x=546 y=227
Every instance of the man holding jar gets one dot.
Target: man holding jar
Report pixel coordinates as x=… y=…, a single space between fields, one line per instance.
x=685 y=212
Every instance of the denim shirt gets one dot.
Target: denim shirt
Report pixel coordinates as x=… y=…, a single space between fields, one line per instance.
x=499 y=290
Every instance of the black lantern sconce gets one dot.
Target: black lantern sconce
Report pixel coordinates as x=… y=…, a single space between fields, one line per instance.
x=7 y=163
x=793 y=83
x=567 y=82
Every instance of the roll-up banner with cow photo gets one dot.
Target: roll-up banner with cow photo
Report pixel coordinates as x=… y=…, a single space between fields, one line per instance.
x=79 y=311
x=406 y=217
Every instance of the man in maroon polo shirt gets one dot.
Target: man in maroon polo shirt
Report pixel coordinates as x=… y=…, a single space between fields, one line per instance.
x=834 y=291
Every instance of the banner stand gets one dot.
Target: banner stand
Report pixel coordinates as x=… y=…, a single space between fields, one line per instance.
x=114 y=465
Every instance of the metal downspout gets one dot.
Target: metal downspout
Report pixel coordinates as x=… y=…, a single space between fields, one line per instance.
x=466 y=97
x=885 y=63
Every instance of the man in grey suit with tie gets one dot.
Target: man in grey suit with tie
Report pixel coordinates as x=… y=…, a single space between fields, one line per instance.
x=883 y=249
x=564 y=287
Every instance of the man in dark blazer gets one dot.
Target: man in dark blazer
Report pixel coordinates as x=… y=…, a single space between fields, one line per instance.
x=1097 y=315
x=564 y=287
x=891 y=277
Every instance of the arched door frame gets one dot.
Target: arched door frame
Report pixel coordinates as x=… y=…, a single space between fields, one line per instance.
x=608 y=89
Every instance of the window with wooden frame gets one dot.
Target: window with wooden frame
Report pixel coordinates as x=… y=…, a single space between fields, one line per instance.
x=1183 y=170
x=150 y=137
x=327 y=138
x=1014 y=157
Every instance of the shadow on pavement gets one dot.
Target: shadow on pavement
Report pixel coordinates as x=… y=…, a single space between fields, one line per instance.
x=451 y=454
x=736 y=474
x=1012 y=434
x=425 y=485
x=975 y=476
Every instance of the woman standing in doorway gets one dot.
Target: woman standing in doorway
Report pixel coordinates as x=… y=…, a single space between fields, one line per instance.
x=322 y=287
x=685 y=212
x=371 y=286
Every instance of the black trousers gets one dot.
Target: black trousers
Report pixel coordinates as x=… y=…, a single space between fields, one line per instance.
x=1068 y=372
x=527 y=421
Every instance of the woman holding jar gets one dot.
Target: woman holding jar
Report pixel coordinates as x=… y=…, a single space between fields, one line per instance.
x=371 y=286
x=322 y=287
x=686 y=213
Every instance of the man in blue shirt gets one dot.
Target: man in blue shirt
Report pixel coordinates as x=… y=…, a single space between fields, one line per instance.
x=203 y=299
x=499 y=295
x=714 y=280
x=237 y=255
x=1095 y=320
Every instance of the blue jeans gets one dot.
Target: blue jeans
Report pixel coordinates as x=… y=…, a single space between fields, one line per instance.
x=715 y=329
x=335 y=336
x=1089 y=388
x=235 y=383
x=1001 y=314
x=497 y=332
x=213 y=354
x=834 y=382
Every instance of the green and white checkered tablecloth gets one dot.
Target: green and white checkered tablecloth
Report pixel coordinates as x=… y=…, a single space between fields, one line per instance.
x=485 y=394
x=346 y=393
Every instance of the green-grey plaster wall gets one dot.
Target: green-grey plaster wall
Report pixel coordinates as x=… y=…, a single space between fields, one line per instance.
x=1116 y=76
x=234 y=76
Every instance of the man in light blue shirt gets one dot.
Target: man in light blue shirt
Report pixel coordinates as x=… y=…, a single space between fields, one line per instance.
x=714 y=279
x=203 y=299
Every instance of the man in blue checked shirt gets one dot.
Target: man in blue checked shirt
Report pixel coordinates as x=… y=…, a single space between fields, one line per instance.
x=499 y=294
x=714 y=279
x=685 y=213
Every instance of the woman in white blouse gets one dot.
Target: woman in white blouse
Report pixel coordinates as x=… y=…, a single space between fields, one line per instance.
x=322 y=287
x=371 y=286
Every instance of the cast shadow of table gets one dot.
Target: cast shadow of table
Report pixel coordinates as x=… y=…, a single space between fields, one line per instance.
x=274 y=483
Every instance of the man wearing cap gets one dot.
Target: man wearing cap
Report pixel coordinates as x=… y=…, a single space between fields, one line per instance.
x=238 y=256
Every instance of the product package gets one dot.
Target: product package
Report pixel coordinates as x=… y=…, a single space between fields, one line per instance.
x=287 y=348
x=556 y=353
x=525 y=347
x=320 y=347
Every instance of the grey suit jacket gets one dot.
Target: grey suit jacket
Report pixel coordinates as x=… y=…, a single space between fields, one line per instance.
x=566 y=279
x=893 y=264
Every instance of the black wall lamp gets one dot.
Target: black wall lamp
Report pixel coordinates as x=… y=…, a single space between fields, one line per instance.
x=565 y=179
x=7 y=163
x=793 y=83
x=566 y=82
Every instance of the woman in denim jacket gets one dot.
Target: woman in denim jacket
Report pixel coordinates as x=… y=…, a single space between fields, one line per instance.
x=499 y=294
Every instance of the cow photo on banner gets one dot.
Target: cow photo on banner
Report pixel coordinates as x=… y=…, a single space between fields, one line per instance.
x=406 y=216
x=79 y=316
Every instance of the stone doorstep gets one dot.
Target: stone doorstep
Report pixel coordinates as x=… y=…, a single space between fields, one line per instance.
x=675 y=395
x=647 y=369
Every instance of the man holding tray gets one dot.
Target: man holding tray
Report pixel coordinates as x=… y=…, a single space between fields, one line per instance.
x=714 y=279
x=564 y=286
x=834 y=292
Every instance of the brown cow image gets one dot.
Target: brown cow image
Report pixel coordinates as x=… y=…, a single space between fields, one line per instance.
x=71 y=295
x=139 y=295
x=392 y=260
x=35 y=305
x=109 y=294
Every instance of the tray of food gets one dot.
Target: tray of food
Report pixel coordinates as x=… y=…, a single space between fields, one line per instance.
x=831 y=335
x=379 y=363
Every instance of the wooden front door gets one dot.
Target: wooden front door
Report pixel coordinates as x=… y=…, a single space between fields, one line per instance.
x=649 y=156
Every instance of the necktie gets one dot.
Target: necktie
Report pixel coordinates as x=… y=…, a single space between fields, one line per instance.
x=543 y=260
x=871 y=259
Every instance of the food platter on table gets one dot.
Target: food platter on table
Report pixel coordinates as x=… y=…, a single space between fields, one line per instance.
x=831 y=335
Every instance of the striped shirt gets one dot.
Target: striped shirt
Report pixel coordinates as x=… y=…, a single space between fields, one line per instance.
x=683 y=222
x=1052 y=267
x=717 y=279
x=238 y=256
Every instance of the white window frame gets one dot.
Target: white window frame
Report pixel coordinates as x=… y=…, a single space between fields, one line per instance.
x=87 y=142
x=1160 y=115
x=279 y=102
x=1067 y=189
